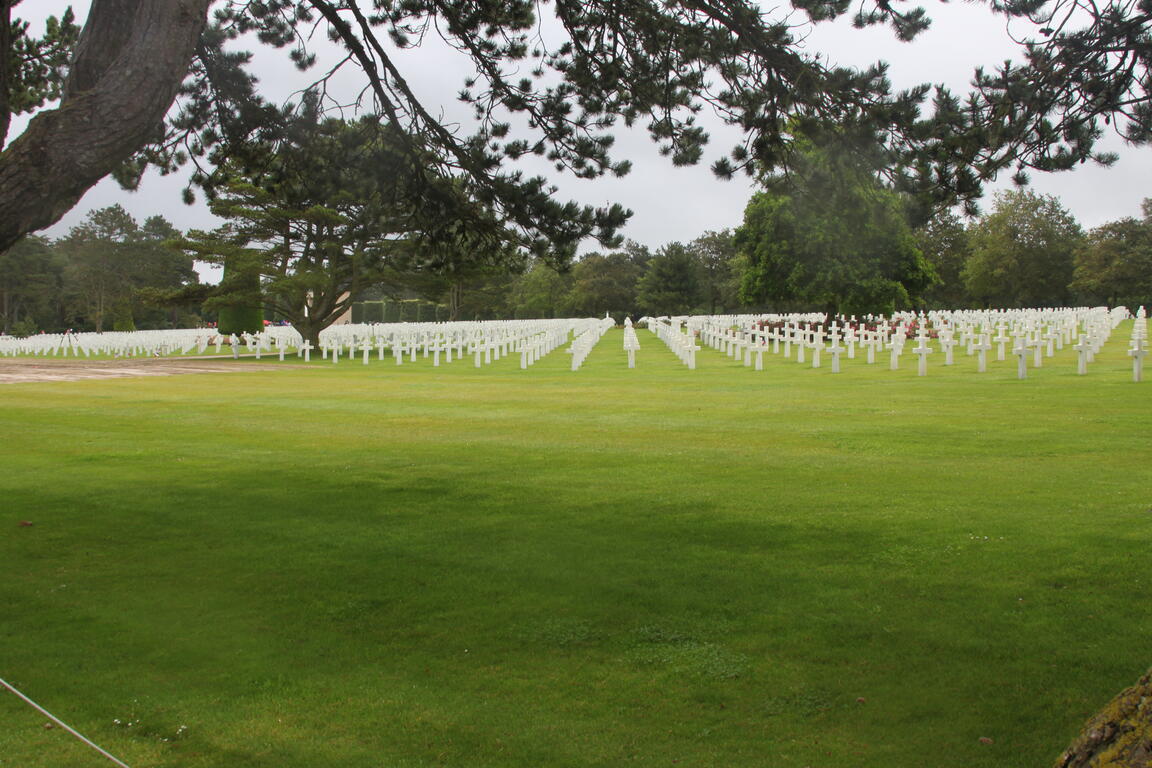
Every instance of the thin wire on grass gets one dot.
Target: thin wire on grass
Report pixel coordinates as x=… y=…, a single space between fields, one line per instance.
x=4 y=683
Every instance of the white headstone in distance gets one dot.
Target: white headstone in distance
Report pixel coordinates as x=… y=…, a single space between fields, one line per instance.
x=1000 y=340
x=835 y=351
x=1137 y=353
x=922 y=350
x=947 y=343
x=1021 y=352
x=981 y=345
x=1083 y=348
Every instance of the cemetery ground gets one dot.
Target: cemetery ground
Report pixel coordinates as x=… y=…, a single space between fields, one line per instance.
x=380 y=565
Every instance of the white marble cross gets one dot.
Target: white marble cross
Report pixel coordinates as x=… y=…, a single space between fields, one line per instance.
x=817 y=342
x=982 y=345
x=1000 y=340
x=1021 y=352
x=896 y=346
x=1137 y=353
x=1083 y=348
x=870 y=341
x=922 y=350
x=835 y=351
x=947 y=343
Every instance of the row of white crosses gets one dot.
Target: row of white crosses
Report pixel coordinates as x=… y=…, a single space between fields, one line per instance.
x=805 y=333
x=681 y=344
x=485 y=342
x=158 y=343
x=114 y=343
x=587 y=339
x=1033 y=334
x=1029 y=334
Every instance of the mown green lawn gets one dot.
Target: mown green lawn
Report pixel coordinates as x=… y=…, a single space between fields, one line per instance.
x=413 y=566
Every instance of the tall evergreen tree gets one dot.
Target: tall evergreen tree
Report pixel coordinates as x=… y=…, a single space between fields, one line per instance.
x=672 y=283
x=328 y=209
x=31 y=277
x=945 y=243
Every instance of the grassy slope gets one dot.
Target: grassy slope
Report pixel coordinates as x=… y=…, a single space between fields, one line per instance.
x=414 y=566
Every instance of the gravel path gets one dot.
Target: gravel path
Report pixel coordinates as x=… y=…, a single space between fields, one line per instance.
x=21 y=370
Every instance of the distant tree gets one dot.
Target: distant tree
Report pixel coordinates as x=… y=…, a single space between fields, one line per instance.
x=1115 y=265
x=1023 y=252
x=468 y=278
x=672 y=284
x=716 y=252
x=322 y=212
x=832 y=237
x=31 y=275
x=110 y=259
x=100 y=256
x=541 y=292
x=604 y=283
x=945 y=243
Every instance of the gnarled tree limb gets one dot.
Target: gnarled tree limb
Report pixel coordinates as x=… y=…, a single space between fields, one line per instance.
x=118 y=92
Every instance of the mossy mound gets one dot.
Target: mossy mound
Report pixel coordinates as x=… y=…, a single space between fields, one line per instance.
x=1119 y=736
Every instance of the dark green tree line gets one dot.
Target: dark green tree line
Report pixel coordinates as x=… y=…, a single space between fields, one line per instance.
x=103 y=275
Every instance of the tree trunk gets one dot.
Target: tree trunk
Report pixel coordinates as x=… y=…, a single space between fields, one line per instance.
x=310 y=331
x=455 y=294
x=130 y=60
x=5 y=74
x=1119 y=736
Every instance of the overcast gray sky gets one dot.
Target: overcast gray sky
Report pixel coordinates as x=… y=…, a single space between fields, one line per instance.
x=672 y=203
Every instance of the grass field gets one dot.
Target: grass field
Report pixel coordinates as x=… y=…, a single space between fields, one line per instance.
x=393 y=566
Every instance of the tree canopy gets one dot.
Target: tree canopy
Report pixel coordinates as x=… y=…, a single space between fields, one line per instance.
x=105 y=273
x=945 y=243
x=673 y=282
x=1023 y=252
x=313 y=219
x=1115 y=264
x=110 y=258
x=832 y=236
x=606 y=63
